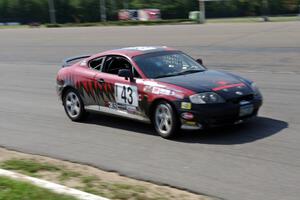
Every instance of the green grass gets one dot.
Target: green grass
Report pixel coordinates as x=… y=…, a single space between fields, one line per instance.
x=119 y=191
x=66 y=175
x=285 y=19
x=32 y=168
x=253 y=19
x=89 y=180
x=15 y=190
x=90 y=184
x=120 y=23
x=14 y=27
x=28 y=167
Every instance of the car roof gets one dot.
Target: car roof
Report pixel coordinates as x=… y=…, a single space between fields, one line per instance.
x=136 y=51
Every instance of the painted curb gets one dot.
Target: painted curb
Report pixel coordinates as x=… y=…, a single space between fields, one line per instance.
x=60 y=189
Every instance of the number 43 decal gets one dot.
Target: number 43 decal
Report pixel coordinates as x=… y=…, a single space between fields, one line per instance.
x=127 y=97
x=126 y=94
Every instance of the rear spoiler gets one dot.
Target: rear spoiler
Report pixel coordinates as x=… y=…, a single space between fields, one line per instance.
x=69 y=61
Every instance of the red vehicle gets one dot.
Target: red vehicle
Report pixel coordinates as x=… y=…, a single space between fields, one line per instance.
x=155 y=84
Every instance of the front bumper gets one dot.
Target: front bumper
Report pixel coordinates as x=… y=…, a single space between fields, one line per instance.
x=213 y=115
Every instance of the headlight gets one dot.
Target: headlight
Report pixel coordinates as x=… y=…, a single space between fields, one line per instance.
x=255 y=89
x=206 y=98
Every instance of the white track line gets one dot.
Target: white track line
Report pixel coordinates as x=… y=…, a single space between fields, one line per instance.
x=60 y=189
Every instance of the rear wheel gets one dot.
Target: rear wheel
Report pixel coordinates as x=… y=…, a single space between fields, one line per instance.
x=73 y=105
x=165 y=120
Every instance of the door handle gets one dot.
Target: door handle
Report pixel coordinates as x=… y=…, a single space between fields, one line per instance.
x=101 y=81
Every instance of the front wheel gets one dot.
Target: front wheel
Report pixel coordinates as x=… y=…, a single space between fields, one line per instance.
x=165 y=120
x=73 y=105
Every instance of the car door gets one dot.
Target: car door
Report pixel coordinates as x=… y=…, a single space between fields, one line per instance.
x=88 y=86
x=121 y=96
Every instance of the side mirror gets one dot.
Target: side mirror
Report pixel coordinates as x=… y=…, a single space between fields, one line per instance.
x=126 y=73
x=200 y=61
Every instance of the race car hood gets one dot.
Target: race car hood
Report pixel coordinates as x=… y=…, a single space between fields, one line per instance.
x=225 y=84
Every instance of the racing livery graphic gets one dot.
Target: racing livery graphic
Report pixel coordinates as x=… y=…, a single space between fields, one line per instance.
x=160 y=85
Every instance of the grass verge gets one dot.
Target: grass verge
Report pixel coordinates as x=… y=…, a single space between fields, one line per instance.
x=253 y=19
x=178 y=21
x=14 y=27
x=164 y=22
x=108 y=187
x=16 y=190
x=120 y=23
x=28 y=167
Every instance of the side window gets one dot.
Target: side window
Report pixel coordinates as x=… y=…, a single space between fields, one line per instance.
x=97 y=63
x=115 y=63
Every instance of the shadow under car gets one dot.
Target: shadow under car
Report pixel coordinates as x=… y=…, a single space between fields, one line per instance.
x=249 y=131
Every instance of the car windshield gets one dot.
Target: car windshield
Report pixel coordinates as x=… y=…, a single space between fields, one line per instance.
x=168 y=63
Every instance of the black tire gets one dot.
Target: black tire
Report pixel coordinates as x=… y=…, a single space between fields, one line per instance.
x=171 y=124
x=79 y=113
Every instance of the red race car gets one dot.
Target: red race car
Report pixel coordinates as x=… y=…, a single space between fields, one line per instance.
x=155 y=84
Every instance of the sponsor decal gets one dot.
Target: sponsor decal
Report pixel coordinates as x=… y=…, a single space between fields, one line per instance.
x=131 y=109
x=147 y=89
x=156 y=90
x=177 y=95
x=161 y=90
x=112 y=105
x=164 y=91
x=186 y=105
x=151 y=83
x=187 y=116
x=83 y=63
x=190 y=123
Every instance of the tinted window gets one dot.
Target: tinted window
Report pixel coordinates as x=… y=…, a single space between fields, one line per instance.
x=162 y=64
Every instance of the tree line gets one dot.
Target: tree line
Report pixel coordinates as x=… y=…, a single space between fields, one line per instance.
x=26 y=11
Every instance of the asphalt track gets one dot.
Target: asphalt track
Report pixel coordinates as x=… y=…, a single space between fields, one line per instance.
x=255 y=161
